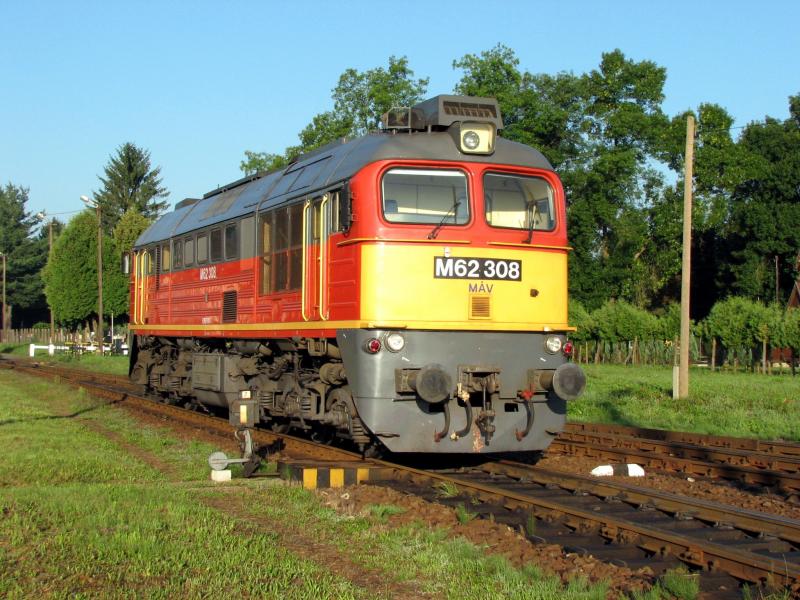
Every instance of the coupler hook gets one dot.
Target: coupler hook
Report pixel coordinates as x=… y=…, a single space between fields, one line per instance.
x=437 y=437
x=527 y=400
x=464 y=395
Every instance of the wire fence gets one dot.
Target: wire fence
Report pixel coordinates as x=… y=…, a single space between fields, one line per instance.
x=702 y=352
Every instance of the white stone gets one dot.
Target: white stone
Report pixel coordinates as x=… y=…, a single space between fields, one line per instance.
x=629 y=470
x=221 y=476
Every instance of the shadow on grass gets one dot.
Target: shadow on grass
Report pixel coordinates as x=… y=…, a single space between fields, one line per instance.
x=73 y=415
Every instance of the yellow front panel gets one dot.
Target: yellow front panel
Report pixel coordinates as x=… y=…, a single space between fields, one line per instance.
x=399 y=290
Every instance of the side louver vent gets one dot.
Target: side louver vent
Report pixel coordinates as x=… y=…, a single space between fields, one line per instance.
x=480 y=307
x=229 y=306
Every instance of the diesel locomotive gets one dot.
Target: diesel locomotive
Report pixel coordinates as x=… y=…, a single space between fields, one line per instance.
x=406 y=290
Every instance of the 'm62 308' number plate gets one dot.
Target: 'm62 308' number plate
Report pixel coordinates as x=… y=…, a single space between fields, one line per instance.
x=448 y=267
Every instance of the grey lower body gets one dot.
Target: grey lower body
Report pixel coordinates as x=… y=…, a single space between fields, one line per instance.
x=499 y=401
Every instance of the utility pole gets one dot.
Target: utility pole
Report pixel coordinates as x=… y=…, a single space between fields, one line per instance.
x=686 y=264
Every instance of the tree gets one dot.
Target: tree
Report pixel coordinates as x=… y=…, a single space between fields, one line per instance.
x=71 y=273
x=256 y=162
x=765 y=212
x=538 y=110
x=130 y=183
x=25 y=256
x=615 y=184
x=128 y=229
x=359 y=100
x=493 y=74
x=719 y=165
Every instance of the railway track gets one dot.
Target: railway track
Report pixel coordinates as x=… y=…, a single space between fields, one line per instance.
x=770 y=464
x=621 y=523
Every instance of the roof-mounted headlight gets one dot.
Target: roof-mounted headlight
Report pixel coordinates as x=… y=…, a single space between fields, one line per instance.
x=476 y=138
x=470 y=140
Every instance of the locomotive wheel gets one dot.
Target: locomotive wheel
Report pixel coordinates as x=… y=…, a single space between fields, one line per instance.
x=374 y=450
x=341 y=407
x=279 y=426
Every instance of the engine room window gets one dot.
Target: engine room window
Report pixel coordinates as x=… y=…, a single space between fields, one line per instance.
x=165 y=258
x=188 y=251
x=202 y=248
x=265 y=221
x=177 y=256
x=150 y=261
x=430 y=196
x=247 y=237
x=216 y=245
x=518 y=202
x=231 y=241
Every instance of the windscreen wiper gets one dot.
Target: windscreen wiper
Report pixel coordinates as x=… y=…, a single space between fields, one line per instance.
x=531 y=221
x=432 y=235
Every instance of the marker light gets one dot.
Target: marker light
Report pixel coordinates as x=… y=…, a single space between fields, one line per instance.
x=373 y=346
x=395 y=342
x=553 y=344
x=568 y=348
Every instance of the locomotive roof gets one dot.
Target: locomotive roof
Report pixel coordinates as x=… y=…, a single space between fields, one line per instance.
x=325 y=168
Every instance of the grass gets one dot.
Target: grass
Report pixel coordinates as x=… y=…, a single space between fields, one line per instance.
x=720 y=403
x=439 y=566
x=530 y=525
x=82 y=516
x=114 y=364
x=96 y=504
x=447 y=489
x=382 y=512
x=15 y=349
x=681 y=584
x=463 y=515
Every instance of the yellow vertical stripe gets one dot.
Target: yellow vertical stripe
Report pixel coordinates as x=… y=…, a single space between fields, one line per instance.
x=337 y=478
x=362 y=475
x=310 y=479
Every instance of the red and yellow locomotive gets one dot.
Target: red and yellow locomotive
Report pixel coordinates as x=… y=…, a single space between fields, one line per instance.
x=406 y=290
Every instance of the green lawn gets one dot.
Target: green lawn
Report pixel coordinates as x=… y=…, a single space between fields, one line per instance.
x=94 y=504
x=722 y=403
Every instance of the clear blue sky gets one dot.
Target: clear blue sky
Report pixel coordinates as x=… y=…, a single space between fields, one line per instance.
x=197 y=83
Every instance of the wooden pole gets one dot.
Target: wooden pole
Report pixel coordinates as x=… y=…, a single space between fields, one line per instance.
x=686 y=265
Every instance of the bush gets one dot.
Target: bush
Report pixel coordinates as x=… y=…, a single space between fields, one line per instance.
x=622 y=322
x=579 y=317
x=735 y=322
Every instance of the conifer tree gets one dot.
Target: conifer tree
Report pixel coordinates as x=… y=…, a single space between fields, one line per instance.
x=130 y=183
